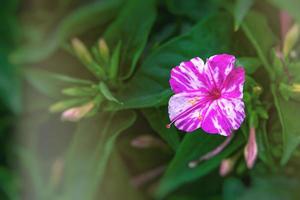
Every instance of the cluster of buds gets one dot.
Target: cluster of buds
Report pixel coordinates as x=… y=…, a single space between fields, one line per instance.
x=89 y=95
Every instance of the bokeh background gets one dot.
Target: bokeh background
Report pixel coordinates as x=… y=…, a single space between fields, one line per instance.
x=116 y=55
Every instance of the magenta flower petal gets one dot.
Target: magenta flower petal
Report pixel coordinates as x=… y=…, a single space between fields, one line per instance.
x=186 y=110
x=224 y=116
x=220 y=66
x=234 y=83
x=189 y=76
x=207 y=95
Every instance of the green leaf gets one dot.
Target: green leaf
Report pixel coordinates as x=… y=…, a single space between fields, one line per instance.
x=289 y=122
x=151 y=81
x=107 y=94
x=132 y=27
x=115 y=62
x=263 y=187
x=264 y=149
x=9 y=183
x=158 y=118
x=232 y=189
x=63 y=105
x=9 y=85
x=241 y=9
x=10 y=96
x=79 y=21
x=192 y=147
x=262 y=38
x=80 y=91
x=50 y=84
x=249 y=63
x=67 y=79
x=193 y=9
x=89 y=153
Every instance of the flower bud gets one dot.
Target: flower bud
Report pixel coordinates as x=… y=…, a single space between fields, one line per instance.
x=291 y=39
x=81 y=51
x=76 y=113
x=226 y=166
x=296 y=87
x=146 y=141
x=87 y=59
x=290 y=91
x=103 y=49
x=250 y=151
x=257 y=90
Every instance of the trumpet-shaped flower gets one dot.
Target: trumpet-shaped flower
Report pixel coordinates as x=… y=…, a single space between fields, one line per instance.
x=207 y=95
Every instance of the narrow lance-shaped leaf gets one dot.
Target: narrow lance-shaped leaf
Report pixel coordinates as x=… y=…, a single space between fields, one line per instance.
x=65 y=104
x=107 y=93
x=80 y=91
x=241 y=9
x=115 y=63
x=132 y=27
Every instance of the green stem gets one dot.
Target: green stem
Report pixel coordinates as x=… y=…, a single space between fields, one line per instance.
x=259 y=51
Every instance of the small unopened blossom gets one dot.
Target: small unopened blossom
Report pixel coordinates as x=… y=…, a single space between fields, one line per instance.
x=103 y=48
x=250 y=151
x=146 y=141
x=296 y=87
x=81 y=50
x=207 y=95
x=76 y=113
x=226 y=166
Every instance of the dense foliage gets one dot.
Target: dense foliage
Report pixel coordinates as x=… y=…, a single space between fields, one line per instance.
x=111 y=59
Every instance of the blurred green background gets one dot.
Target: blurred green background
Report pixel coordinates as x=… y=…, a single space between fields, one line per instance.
x=121 y=149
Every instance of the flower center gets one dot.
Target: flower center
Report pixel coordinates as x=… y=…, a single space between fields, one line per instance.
x=215 y=94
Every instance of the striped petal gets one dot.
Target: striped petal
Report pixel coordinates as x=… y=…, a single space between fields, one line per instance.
x=219 y=67
x=190 y=76
x=223 y=116
x=233 y=85
x=186 y=110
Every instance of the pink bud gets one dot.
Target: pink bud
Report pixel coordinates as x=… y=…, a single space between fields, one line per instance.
x=146 y=141
x=226 y=166
x=250 y=151
x=285 y=23
x=76 y=113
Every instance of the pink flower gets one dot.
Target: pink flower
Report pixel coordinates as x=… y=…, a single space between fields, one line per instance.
x=207 y=96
